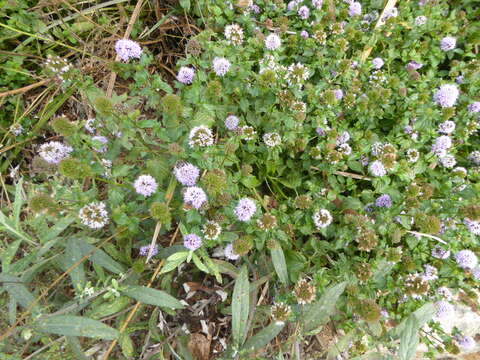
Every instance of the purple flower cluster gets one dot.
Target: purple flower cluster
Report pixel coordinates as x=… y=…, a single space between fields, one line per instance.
x=474 y=107
x=272 y=42
x=221 y=66
x=447 y=127
x=472 y=226
x=440 y=253
x=245 y=209
x=317 y=4
x=441 y=145
x=448 y=43
x=377 y=169
x=145 y=249
x=185 y=75
x=384 y=201
x=128 y=49
x=231 y=122
x=194 y=196
x=444 y=309
x=378 y=63
x=192 y=241
x=186 y=173
x=145 y=185
x=355 y=9
x=53 y=152
x=466 y=342
x=466 y=259
x=338 y=94
x=229 y=253
x=446 y=95
x=304 y=12
x=413 y=65
x=304 y=34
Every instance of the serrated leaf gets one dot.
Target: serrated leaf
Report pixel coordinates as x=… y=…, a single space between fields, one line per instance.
x=318 y=313
x=279 y=263
x=240 y=307
x=173 y=261
x=201 y=266
x=409 y=339
x=70 y=325
x=263 y=337
x=152 y=297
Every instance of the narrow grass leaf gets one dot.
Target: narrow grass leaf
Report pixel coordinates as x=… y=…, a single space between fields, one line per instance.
x=70 y=325
x=152 y=297
x=240 y=307
x=17 y=204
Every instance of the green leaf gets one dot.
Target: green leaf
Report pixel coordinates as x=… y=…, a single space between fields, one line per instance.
x=72 y=255
x=8 y=255
x=99 y=257
x=17 y=204
x=185 y=4
x=70 y=325
x=152 y=297
x=318 y=313
x=422 y=314
x=199 y=264
x=409 y=339
x=240 y=307
x=279 y=263
x=173 y=261
x=126 y=345
x=76 y=347
x=110 y=308
x=263 y=337
x=17 y=290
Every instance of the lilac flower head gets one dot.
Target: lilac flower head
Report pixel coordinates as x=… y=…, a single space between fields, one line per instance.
x=474 y=107
x=185 y=75
x=447 y=127
x=272 y=42
x=145 y=185
x=234 y=34
x=420 y=20
x=441 y=145
x=317 y=4
x=447 y=161
x=338 y=94
x=377 y=169
x=53 y=152
x=194 y=196
x=444 y=310
x=475 y=157
x=378 y=63
x=304 y=34
x=431 y=273
x=304 y=12
x=255 y=8
x=384 y=201
x=466 y=342
x=343 y=138
x=186 y=173
x=145 y=249
x=413 y=65
x=200 y=136
x=192 y=241
x=229 y=253
x=448 y=43
x=292 y=5
x=440 y=253
x=476 y=273
x=472 y=226
x=231 y=122
x=466 y=259
x=355 y=9
x=128 y=49
x=245 y=209
x=102 y=140
x=221 y=66
x=459 y=79
x=446 y=95
x=390 y=13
